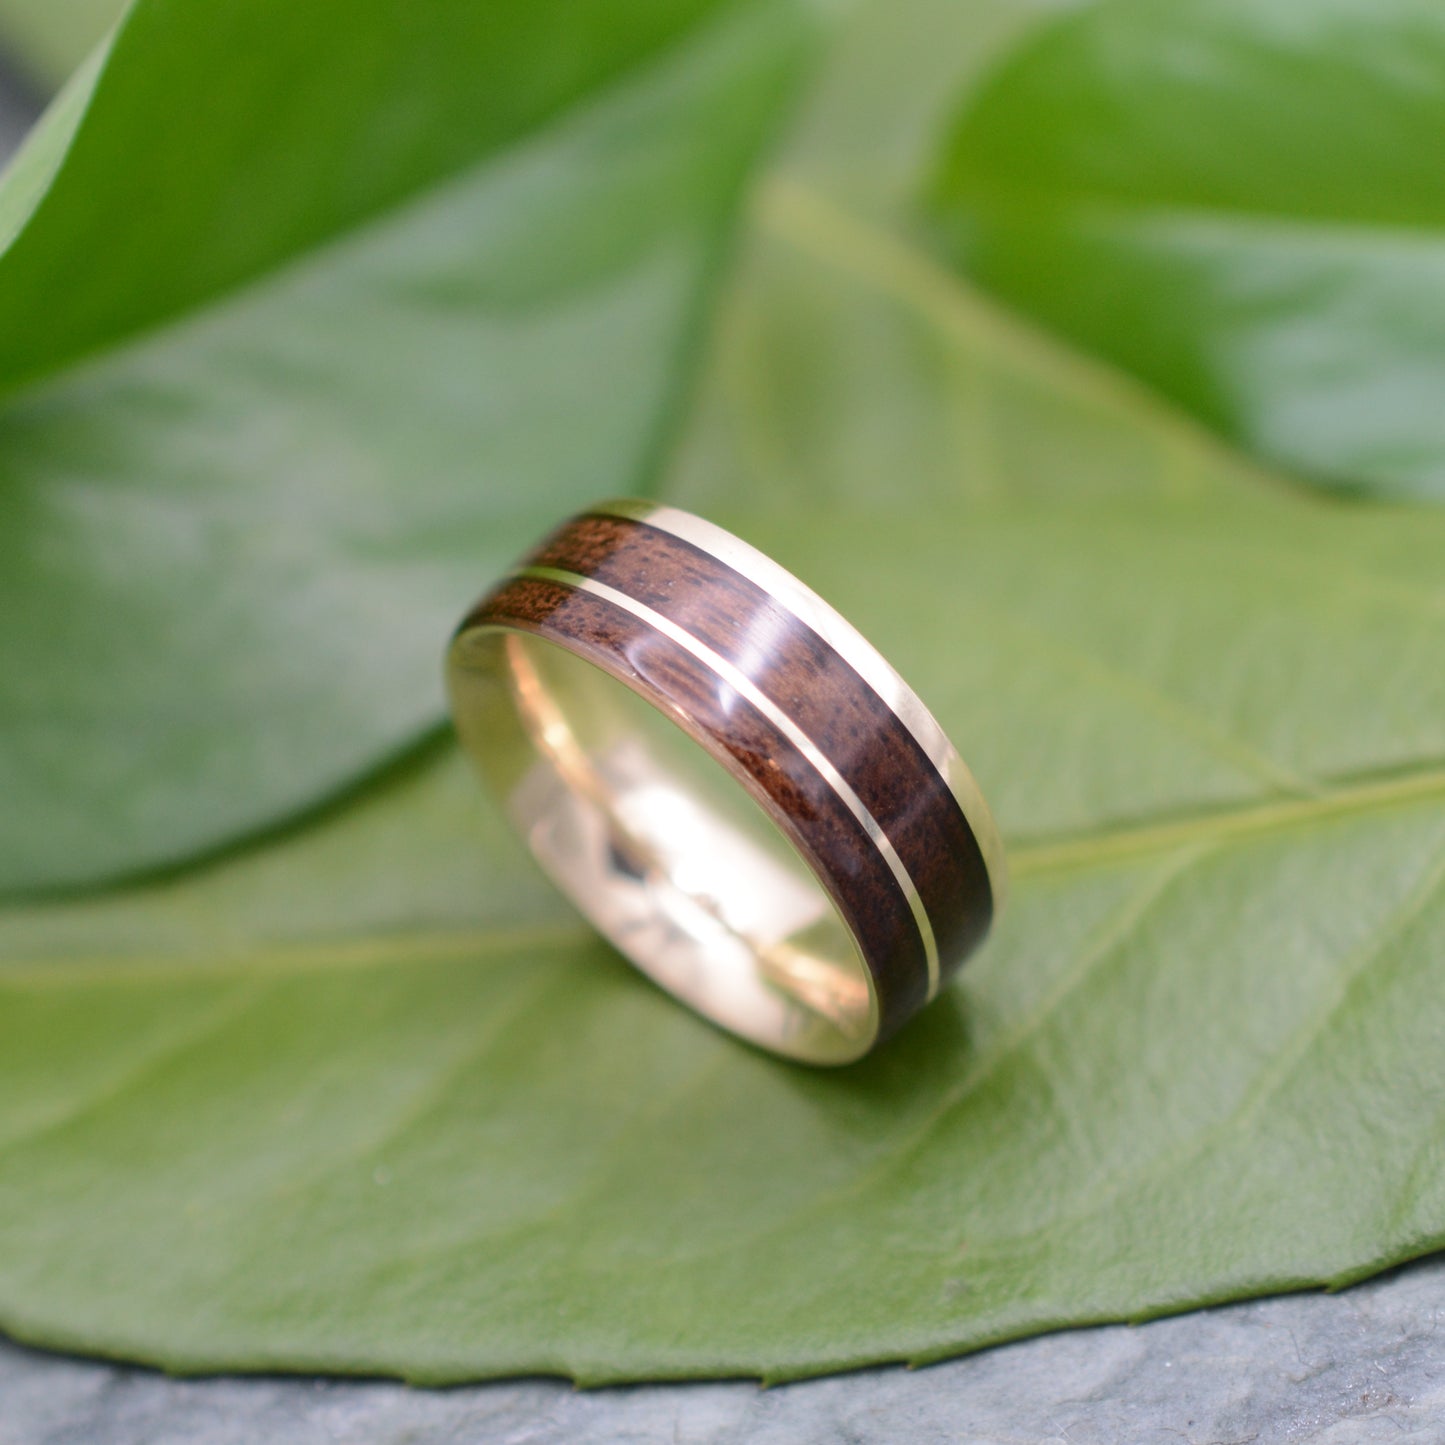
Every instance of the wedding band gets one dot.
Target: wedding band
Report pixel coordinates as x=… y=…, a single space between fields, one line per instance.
x=727 y=779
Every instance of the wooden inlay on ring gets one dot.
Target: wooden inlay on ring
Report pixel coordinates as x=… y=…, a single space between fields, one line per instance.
x=818 y=690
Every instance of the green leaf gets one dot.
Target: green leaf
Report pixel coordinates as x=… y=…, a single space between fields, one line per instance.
x=311 y=316
x=368 y=1099
x=49 y=38
x=370 y=1102
x=1240 y=201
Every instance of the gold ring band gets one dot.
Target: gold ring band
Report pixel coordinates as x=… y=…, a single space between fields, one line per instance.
x=763 y=816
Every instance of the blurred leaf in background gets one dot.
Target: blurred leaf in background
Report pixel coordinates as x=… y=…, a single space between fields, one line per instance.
x=46 y=39
x=1239 y=200
x=368 y=1099
x=282 y=381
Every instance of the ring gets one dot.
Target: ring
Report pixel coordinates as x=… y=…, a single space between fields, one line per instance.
x=727 y=779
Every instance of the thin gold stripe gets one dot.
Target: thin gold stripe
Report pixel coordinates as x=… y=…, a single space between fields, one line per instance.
x=853 y=648
x=745 y=687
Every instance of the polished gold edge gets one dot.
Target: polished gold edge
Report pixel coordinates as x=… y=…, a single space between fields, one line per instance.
x=854 y=649
x=745 y=687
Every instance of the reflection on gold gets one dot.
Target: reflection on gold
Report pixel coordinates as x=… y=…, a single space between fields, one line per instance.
x=818 y=985
x=804 y=977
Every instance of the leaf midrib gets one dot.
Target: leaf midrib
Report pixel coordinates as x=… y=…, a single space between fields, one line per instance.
x=799 y=215
x=1039 y=858
x=359 y=952
x=1364 y=793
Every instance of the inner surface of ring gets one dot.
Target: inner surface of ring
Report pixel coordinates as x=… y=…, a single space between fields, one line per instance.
x=663 y=849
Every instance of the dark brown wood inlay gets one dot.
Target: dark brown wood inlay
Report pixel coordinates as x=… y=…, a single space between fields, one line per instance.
x=802 y=802
x=819 y=690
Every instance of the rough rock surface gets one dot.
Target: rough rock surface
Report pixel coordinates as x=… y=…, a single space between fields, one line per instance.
x=1364 y=1366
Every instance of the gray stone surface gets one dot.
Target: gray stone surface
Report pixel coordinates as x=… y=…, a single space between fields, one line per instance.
x=1357 y=1368
x=1353 y=1369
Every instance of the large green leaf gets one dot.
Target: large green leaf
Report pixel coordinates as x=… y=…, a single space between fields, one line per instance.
x=368 y=1101
x=1239 y=200
x=312 y=315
